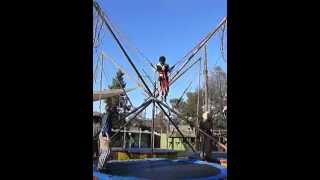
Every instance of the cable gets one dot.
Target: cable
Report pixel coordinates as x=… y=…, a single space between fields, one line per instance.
x=196 y=49
x=113 y=61
x=102 y=15
x=174 y=80
x=95 y=73
x=222 y=42
x=124 y=38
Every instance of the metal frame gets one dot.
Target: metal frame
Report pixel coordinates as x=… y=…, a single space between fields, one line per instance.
x=140 y=108
x=152 y=96
x=182 y=117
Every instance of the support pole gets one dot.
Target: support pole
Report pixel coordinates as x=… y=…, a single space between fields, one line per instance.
x=168 y=129
x=139 y=137
x=140 y=108
x=102 y=15
x=184 y=138
x=206 y=78
x=182 y=117
x=122 y=69
x=124 y=138
x=153 y=110
x=198 y=107
x=174 y=80
x=101 y=81
x=148 y=77
x=172 y=142
x=152 y=131
x=200 y=45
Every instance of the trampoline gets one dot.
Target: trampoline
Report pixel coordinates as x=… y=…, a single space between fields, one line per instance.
x=156 y=168
x=141 y=153
x=144 y=150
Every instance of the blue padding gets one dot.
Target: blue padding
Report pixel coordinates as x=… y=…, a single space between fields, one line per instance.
x=221 y=175
x=144 y=150
x=223 y=170
x=101 y=176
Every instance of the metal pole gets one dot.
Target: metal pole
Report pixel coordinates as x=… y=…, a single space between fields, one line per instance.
x=198 y=105
x=148 y=77
x=121 y=68
x=101 y=80
x=172 y=141
x=153 y=110
x=148 y=101
x=145 y=105
x=176 y=78
x=184 y=138
x=119 y=117
x=102 y=15
x=201 y=44
x=206 y=78
x=140 y=138
x=179 y=115
x=168 y=134
x=124 y=138
x=152 y=131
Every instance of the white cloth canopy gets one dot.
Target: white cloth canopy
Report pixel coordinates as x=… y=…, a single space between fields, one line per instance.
x=96 y=114
x=97 y=95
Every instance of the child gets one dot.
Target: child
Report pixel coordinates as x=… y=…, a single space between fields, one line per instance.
x=163 y=70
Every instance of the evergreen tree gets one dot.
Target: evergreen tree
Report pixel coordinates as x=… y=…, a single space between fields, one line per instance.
x=120 y=102
x=117 y=83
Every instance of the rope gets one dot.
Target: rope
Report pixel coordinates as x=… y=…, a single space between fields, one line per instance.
x=94 y=33
x=183 y=93
x=94 y=73
x=177 y=128
x=102 y=15
x=96 y=18
x=125 y=39
x=148 y=77
x=137 y=111
x=125 y=92
x=123 y=89
x=196 y=49
x=122 y=69
x=96 y=39
x=174 y=80
x=112 y=60
x=193 y=49
x=118 y=82
x=104 y=73
x=132 y=47
x=101 y=82
x=222 y=43
x=186 y=120
x=198 y=99
x=98 y=36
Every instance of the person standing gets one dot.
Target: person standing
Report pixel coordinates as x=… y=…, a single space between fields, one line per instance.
x=163 y=70
x=207 y=144
x=104 y=136
x=96 y=130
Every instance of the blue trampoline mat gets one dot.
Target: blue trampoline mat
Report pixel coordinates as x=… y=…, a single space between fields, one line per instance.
x=144 y=150
x=161 y=169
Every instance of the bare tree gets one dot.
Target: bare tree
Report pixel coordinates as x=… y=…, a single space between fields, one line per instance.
x=217 y=95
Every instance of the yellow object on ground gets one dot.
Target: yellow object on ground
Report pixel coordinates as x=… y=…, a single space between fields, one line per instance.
x=127 y=154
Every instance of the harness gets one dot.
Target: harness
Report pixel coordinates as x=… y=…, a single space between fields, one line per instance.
x=163 y=78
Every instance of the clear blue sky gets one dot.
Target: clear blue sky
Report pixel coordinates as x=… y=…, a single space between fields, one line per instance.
x=160 y=27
